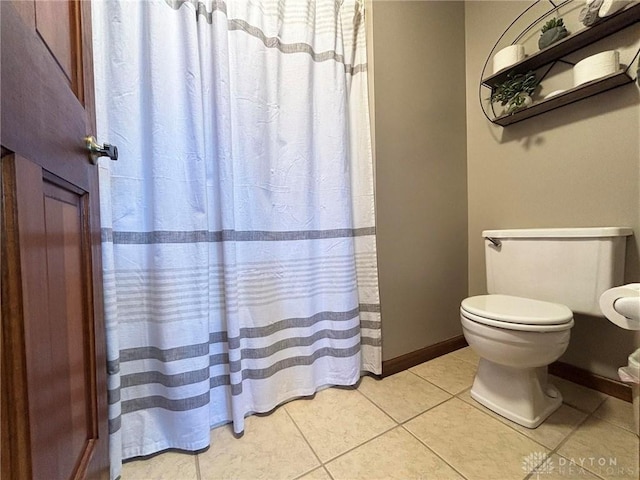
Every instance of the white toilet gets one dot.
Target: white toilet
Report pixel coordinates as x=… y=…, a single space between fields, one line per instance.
x=535 y=279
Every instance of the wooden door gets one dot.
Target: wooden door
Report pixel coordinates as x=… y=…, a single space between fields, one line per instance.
x=54 y=397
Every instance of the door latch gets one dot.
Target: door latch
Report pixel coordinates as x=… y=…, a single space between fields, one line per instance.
x=96 y=151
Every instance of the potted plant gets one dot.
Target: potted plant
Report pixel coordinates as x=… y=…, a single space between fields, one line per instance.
x=552 y=31
x=515 y=92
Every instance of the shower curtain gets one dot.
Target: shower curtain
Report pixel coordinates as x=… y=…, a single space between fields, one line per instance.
x=238 y=224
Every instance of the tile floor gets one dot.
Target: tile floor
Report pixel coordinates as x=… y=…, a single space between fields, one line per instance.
x=417 y=424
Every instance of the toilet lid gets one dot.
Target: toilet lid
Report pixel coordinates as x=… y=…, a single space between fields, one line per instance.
x=517 y=310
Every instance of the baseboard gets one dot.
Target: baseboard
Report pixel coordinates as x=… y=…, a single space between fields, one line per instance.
x=559 y=369
x=403 y=362
x=590 y=380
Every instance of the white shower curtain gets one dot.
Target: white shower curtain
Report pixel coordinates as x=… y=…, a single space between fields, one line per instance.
x=238 y=223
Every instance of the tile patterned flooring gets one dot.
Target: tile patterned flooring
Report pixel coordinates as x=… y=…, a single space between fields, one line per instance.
x=418 y=424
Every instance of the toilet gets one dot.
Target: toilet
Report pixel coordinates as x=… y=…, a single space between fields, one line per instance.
x=536 y=280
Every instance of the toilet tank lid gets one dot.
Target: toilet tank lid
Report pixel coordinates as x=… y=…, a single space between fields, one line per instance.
x=579 y=232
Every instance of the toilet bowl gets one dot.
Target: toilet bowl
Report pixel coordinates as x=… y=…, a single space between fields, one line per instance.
x=536 y=279
x=516 y=338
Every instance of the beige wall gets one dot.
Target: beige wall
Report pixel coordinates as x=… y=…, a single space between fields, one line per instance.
x=421 y=184
x=575 y=166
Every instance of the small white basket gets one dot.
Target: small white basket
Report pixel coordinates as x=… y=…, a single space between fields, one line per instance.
x=631 y=375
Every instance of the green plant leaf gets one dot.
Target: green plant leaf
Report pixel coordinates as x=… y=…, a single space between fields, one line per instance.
x=553 y=23
x=513 y=86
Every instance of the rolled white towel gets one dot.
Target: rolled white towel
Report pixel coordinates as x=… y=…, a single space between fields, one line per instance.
x=609 y=7
x=589 y=14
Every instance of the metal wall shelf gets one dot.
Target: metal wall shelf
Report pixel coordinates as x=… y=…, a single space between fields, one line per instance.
x=556 y=52
x=620 y=20
x=565 y=98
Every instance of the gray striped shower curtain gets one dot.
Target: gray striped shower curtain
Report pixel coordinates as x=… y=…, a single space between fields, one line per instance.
x=238 y=233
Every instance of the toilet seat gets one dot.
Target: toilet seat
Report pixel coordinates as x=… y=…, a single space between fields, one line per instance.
x=517 y=313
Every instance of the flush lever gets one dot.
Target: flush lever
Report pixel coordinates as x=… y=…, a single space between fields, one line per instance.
x=496 y=243
x=96 y=151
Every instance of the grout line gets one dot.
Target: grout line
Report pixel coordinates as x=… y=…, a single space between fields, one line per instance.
x=609 y=422
x=428 y=409
x=566 y=439
x=198 y=474
x=361 y=444
x=318 y=467
x=460 y=357
x=379 y=408
x=552 y=380
x=326 y=470
x=433 y=451
x=374 y=402
x=586 y=410
x=572 y=432
x=529 y=476
x=396 y=424
x=307 y=442
x=547 y=450
x=431 y=383
x=475 y=364
x=552 y=450
x=442 y=388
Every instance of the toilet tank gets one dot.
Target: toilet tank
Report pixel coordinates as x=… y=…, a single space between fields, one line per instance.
x=572 y=266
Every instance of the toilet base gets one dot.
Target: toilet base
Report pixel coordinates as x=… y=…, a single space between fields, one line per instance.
x=520 y=394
